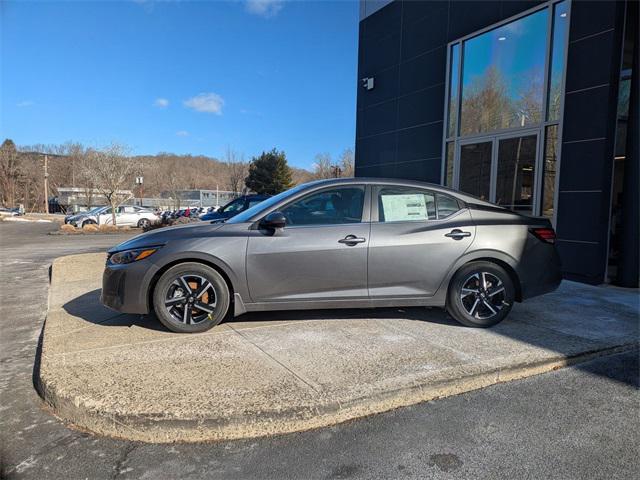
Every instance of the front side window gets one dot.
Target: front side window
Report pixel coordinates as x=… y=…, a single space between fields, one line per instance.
x=329 y=207
x=236 y=206
x=254 y=202
x=401 y=204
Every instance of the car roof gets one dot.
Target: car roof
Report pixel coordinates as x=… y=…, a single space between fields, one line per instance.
x=399 y=182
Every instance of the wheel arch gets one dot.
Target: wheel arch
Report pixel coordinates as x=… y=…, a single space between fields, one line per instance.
x=499 y=258
x=208 y=261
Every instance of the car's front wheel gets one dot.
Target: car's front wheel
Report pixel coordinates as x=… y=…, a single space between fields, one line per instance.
x=481 y=294
x=144 y=223
x=191 y=297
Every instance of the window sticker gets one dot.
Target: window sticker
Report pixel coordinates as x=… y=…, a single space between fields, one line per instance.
x=399 y=208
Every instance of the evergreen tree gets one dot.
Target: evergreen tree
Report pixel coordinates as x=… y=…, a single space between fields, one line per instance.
x=269 y=173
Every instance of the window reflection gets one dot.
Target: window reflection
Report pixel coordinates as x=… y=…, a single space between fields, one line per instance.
x=549 y=178
x=503 y=76
x=454 y=87
x=448 y=179
x=475 y=169
x=516 y=170
x=558 y=48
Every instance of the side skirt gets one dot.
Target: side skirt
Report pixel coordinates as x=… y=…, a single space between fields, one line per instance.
x=240 y=307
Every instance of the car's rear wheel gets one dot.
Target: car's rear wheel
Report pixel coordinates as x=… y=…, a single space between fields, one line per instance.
x=481 y=294
x=191 y=297
x=144 y=223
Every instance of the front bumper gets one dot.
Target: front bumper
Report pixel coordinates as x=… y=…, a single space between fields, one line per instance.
x=125 y=287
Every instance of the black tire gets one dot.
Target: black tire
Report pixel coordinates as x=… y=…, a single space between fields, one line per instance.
x=88 y=222
x=497 y=293
x=170 y=289
x=144 y=223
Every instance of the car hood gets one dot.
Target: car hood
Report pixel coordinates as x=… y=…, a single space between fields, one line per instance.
x=166 y=234
x=212 y=216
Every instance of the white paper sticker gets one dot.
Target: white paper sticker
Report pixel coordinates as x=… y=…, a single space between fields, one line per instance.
x=399 y=208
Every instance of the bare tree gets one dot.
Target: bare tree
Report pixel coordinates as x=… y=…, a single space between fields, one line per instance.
x=347 y=163
x=174 y=183
x=323 y=168
x=10 y=172
x=112 y=172
x=237 y=171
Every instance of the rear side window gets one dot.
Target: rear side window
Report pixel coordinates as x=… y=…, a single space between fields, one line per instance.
x=402 y=204
x=447 y=205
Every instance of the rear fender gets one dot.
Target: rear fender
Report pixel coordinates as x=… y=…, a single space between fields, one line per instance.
x=484 y=254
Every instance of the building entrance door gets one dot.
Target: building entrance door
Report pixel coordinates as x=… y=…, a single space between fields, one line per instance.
x=501 y=169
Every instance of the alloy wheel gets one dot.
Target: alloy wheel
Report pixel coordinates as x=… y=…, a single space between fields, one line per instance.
x=190 y=299
x=483 y=295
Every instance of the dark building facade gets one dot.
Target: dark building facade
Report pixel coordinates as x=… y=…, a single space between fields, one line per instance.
x=531 y=105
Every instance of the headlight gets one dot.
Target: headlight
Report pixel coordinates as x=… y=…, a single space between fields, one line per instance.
x=129 y=256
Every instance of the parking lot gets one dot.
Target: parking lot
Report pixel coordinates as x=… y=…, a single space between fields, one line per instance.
x=572 y=423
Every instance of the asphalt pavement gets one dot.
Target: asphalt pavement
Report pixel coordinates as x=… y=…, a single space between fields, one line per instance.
x=579 y=422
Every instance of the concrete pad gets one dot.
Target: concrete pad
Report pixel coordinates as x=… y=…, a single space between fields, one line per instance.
x=278 y=372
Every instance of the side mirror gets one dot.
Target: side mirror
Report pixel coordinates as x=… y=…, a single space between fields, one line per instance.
x=273 y=221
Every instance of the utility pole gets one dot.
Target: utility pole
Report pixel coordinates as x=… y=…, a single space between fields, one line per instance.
x=46 y=184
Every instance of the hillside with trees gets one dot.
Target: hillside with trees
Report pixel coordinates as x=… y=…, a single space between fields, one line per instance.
x=75 y=165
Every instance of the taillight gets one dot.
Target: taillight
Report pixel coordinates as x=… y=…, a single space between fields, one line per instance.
x=547 y=235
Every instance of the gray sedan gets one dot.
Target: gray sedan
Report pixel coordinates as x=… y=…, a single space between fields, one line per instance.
x=345 y=243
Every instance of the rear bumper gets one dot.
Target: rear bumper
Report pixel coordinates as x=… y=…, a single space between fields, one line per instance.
x=540 y=271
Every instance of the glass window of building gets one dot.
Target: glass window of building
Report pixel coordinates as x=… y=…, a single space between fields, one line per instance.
x=503 y=76
x=504 y=109
x=558 y=52
x=454 y=74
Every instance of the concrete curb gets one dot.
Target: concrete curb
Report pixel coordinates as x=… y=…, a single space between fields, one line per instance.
x=156 y=429
x=159 y=426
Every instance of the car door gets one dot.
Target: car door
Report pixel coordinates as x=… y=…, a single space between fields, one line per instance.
x=127 y=215
x=416 y=237
x=321 y=254
x=104 y=217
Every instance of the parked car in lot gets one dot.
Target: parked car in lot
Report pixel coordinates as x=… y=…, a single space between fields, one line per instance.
x=339 y=243
x=126 y=215
x=10 y=212
x=234 y=207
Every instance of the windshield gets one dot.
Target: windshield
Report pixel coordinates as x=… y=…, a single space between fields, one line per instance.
x=233 y=206
x=265 y=205
x=93 y=211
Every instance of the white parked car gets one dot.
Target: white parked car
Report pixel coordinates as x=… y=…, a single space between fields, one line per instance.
x=126 y=215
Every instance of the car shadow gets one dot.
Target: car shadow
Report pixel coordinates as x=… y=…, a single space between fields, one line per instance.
x=89 y=308
x=422 y=314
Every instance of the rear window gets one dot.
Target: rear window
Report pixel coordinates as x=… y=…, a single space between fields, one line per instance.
x=447 y=205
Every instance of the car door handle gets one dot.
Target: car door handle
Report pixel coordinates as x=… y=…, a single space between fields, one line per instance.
x=457 y=234
x=352 y=240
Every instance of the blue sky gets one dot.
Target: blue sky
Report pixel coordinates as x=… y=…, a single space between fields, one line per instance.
x=183 y=77
x=516 y=49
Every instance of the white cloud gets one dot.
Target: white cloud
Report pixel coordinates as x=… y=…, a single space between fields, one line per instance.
x=25 y=103
x=182 y=133
x=206 y=102
x=264 y=8
x=161 y=103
